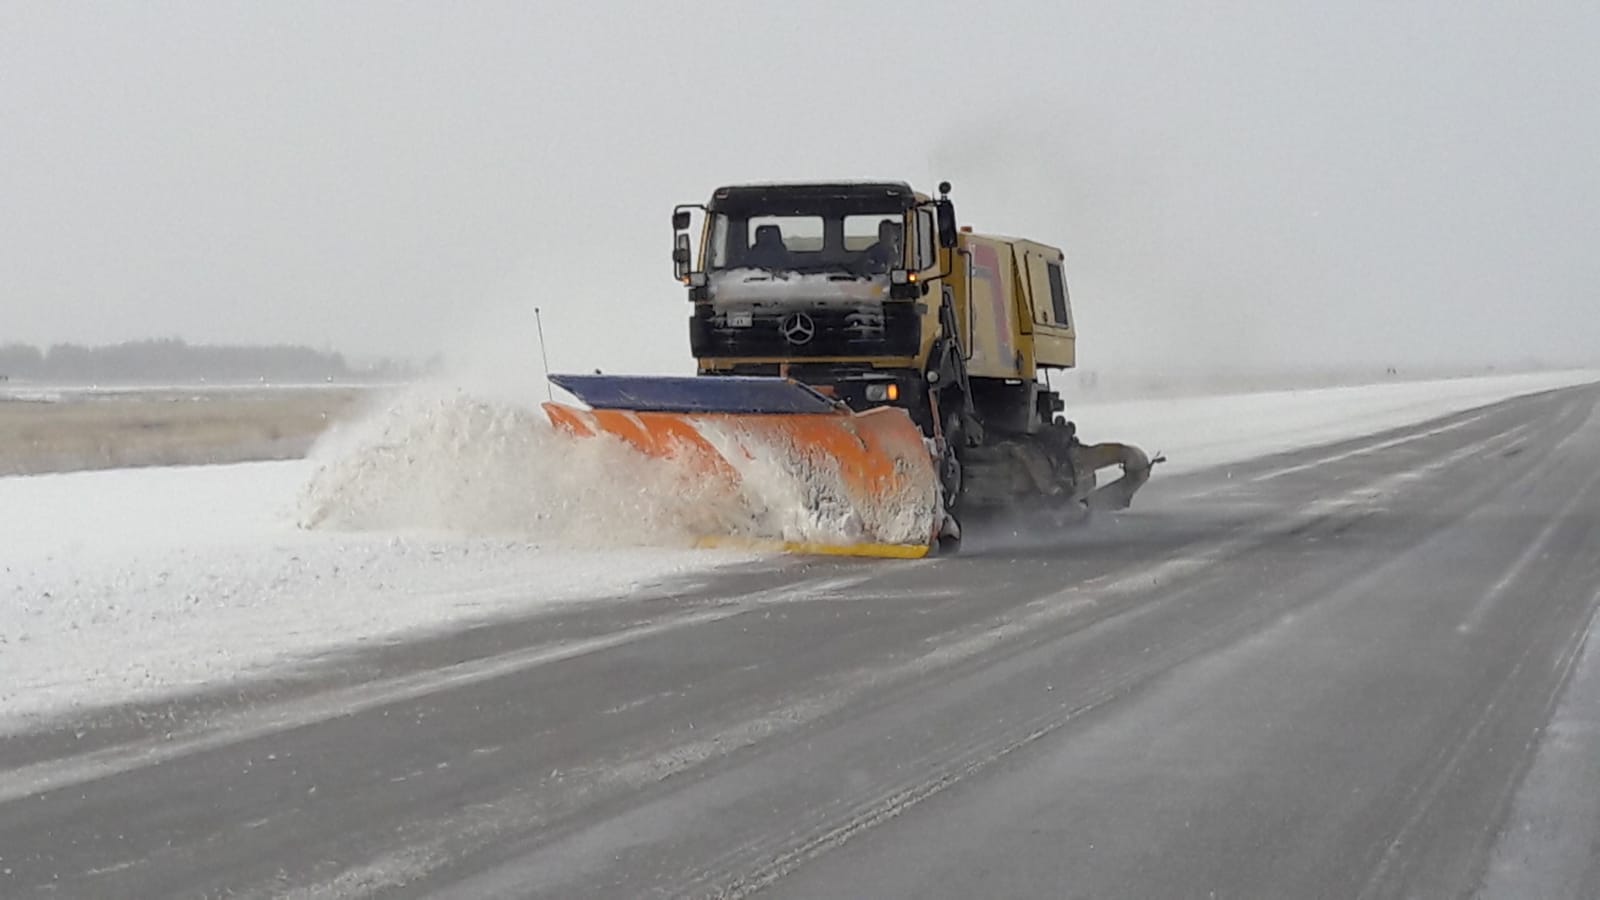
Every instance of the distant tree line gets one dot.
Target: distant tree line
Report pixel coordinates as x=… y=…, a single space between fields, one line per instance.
x=171 y=360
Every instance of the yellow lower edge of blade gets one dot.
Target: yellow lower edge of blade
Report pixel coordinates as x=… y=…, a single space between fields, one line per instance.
x=805 y=548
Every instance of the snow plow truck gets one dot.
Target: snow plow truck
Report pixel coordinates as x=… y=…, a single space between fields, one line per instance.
x=857 y=328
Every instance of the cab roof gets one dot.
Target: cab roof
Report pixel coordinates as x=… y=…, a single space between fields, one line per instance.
x=774 y=197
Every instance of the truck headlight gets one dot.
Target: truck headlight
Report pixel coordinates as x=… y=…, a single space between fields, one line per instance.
x=879 y=393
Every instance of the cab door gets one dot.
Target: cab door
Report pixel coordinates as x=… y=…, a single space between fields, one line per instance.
x=924 y=242
x=1054 y=336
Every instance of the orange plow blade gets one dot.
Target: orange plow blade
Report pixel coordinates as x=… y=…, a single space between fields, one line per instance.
x=866 y=481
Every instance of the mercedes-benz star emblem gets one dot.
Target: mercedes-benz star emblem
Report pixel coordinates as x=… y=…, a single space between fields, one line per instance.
x=798 y=328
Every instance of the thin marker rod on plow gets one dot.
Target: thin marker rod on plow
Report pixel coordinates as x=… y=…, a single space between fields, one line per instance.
x=544 y=355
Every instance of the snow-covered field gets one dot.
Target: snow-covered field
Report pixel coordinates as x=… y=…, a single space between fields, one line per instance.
x=1198 y=432
x=133 y=584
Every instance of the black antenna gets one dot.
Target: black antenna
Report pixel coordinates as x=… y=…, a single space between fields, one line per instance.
x=544 y=355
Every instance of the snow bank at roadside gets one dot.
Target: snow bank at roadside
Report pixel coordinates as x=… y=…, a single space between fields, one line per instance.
x=1197 y=432
x=132 y=584
x=1546 y=846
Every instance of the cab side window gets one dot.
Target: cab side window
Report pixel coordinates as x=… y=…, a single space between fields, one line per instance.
x=1058 y=295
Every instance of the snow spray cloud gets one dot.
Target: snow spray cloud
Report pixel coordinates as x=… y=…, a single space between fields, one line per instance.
x=442 y=459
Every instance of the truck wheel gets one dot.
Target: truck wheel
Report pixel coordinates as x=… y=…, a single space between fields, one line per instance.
x=949 y=545
x=951 y=478
x=949 y=541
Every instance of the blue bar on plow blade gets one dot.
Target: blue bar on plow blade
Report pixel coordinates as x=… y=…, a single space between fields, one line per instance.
x=695 y=394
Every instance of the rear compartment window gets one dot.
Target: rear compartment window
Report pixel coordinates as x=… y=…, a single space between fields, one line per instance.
x=1058 y=295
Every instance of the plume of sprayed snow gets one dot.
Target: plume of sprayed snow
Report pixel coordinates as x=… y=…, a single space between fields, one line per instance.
x=442 y=459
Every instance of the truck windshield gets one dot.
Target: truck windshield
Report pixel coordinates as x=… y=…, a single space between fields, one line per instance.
x=861 y=244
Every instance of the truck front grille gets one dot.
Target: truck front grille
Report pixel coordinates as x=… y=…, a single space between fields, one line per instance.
x=793 y=332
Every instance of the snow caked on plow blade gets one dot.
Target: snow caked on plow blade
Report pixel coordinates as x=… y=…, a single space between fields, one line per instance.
x=866 y=480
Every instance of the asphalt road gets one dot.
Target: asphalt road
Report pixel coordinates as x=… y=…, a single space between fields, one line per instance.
x=1320 y=674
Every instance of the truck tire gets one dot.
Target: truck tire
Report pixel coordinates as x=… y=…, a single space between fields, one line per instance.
x=951 y=476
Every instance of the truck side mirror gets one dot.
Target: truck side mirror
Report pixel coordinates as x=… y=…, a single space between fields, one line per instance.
x=946 y=213
x=680 y=219
x=681 y=256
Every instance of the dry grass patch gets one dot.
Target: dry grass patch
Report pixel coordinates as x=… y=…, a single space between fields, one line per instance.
x=158 y=428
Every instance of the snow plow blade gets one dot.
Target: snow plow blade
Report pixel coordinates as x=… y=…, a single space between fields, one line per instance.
x=871 y=471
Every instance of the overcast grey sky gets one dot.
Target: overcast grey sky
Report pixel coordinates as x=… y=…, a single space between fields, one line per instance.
x=1256 y=184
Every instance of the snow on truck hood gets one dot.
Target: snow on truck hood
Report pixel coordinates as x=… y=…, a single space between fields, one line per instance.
x=762 y=286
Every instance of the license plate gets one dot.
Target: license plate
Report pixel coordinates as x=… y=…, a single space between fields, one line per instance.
x=740 y=319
